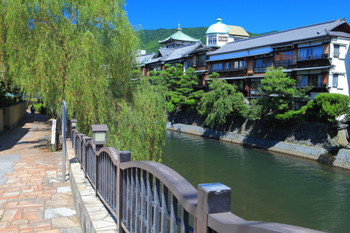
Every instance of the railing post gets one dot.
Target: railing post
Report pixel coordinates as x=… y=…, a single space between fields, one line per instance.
x=99 y=138
x=212 y=198
x=72 y=126
x=84 y=155
x=124 y=156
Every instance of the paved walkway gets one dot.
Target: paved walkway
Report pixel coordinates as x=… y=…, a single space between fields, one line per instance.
x=32 y=196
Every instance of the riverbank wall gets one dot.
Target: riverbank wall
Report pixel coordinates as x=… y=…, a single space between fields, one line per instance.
x=342 y=159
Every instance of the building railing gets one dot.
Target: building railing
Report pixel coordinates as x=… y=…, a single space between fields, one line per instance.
x=284 y=63
x=260 y=69
x=312 y=57
x=146 y=196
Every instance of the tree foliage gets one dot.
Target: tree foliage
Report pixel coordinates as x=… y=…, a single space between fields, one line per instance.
x=278 y=90
x=222 y=101
x=327 y=107
x=81 y=52
x=142 y=123
x=73 y=51
x=180 y=86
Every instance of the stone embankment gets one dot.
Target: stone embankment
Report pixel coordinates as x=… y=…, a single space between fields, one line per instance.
x=342 y=159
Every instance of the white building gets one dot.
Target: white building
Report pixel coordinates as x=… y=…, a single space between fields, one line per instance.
x=219 y=34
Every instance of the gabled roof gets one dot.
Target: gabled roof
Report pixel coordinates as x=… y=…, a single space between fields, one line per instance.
x=169 y=54
x=144 y=58
x=182 y=51
x=237 y=31
x=180 y=36
x=164 y=52
x=293 y=35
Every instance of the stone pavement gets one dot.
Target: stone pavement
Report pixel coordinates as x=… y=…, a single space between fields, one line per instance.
x=33 y=197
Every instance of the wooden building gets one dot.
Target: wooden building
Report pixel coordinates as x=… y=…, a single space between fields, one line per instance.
x=315 y=55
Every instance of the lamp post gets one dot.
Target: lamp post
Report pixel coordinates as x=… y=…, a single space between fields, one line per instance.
x=99 y=135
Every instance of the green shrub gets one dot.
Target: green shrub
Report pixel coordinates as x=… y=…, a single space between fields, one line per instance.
x=292 y=116
x=326 y=107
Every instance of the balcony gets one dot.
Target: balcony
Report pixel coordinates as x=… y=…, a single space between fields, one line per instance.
x=285 y=64
x=312 y=57
x=259 y=69
x=230 y=69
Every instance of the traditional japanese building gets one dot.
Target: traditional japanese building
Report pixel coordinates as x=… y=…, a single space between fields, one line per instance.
x=179 y=38
x=315 y=55
x=177 y=48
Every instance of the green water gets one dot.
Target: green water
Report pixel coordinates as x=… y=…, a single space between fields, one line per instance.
x=265 y=186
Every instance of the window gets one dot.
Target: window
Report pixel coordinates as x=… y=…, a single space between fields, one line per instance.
x=201 y=60
x=315 y=80
x=242 y=64
x=302 y=80
x=261 y=64
x=255 y=86
x=217 y=66
x=212 y=39
x=335 y=81
x=336 y=50
x=310 y=53
x=227 y=66
x=284 y=58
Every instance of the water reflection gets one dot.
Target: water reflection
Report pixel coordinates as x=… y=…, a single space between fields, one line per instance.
x=265 y=186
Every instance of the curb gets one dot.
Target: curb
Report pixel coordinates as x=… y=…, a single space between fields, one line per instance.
x=93 y=215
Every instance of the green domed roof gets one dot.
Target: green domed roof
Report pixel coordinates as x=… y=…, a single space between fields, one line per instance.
x=218 y=28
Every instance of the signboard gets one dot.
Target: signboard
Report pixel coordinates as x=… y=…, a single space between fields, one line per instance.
x=53 y=132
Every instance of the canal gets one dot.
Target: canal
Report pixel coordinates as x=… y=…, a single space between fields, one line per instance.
x=265 y=186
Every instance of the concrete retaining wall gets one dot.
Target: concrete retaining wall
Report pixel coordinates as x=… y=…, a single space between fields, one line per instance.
x=13 y=114
x=1 y=120
x=342 y=159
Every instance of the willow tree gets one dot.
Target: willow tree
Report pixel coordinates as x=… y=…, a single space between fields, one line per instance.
x=78 y=51
x=71 y=50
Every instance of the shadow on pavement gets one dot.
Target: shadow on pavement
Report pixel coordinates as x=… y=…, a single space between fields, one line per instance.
x=11 y=137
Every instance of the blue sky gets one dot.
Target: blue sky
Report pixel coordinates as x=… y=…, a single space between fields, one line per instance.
x=254 y=16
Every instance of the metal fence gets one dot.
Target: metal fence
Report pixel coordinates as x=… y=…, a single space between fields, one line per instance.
x=145 y=196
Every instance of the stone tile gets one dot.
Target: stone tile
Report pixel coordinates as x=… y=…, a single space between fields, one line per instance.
x=59 y=212
x=50 y=231
x=31 y=185
x=64 y=189
x=35 y=215
x=65 y=222
x=8 y=215
x=19 y=222
x=71 y=230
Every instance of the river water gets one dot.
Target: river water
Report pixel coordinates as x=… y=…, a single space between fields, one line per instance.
x=265 y=186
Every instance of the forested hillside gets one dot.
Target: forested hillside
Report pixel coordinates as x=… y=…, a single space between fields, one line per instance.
x=149 y=38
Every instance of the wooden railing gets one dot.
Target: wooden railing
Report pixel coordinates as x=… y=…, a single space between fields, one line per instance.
x=145 y=196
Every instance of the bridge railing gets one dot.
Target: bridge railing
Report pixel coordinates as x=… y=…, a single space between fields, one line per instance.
x=146 y=196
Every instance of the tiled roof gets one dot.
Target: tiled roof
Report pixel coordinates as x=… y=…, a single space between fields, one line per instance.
x=182 y=51
x=144 y=58
x=169 y=54
x=179 y=35
x=297 y=34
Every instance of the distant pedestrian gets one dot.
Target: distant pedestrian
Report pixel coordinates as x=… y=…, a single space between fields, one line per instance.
x=32 y=110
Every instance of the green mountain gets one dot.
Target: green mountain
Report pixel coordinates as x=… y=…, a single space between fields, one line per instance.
x=149 y=38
